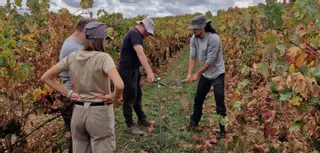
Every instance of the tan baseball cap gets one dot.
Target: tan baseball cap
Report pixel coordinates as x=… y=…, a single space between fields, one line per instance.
x=149 y=24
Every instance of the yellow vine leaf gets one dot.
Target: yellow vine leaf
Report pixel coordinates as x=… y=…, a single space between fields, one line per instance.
x=47 y=89
x=299 y=62
x=292 y=68
x=311 y=64
x=37 y=93
x=295 y=101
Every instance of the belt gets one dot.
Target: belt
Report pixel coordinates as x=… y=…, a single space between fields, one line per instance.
x=92 y=103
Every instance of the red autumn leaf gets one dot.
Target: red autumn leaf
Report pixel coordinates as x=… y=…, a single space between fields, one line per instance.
x=213 y=140
x=151 y=128
x=198 y=147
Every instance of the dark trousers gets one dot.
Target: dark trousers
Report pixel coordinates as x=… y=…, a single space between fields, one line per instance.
x=132 y=94
x=66 y=113
x=203 y=88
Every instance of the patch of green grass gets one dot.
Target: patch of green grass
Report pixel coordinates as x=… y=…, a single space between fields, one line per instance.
x=177 y=102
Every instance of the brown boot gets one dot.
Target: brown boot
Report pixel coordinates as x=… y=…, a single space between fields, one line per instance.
x=145 y=122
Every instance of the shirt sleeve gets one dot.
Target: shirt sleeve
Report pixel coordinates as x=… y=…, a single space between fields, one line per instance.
x=193 y=52
x=135 y=38
x=63 y=64
x=213 y=47
x=108 y=63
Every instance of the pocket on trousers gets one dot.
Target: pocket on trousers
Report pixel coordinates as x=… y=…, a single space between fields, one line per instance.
x=100 y=124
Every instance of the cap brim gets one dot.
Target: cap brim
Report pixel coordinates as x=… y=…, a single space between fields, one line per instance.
x=196 y=26
x=109 y=37
x=150 y=32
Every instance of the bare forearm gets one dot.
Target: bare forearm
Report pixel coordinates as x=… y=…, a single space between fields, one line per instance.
x=191 y=66
x=144 y=62
x=48 y=78
x=117 y=93
x=203 y=68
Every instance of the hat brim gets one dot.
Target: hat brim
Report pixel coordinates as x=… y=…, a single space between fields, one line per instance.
x=109 y=37
x=199 y=26
x=148 y=30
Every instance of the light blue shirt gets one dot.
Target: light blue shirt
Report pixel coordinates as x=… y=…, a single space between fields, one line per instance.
x=69 y=45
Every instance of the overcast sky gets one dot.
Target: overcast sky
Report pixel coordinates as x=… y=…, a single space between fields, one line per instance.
x=152 y=8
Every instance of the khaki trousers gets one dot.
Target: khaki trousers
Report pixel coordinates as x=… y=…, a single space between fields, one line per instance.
x=92 y=129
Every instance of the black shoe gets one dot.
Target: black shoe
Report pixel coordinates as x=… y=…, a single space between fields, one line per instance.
x=192 y=126
x=222 y=133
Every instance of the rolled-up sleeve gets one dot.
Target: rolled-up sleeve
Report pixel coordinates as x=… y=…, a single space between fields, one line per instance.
x=213 y=46
x=63 y=64
x=193 y=52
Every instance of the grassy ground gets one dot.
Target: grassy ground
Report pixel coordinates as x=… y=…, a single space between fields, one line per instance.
x=170 y=108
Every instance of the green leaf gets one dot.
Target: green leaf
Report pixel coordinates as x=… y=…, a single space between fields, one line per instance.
x=296 y=125
x=270 y=48
x=1 y=61
x=304 y=69
x=315 y=41
x=26 y=68
x=243 y=84
x=6 y=33
x=2 y=40
x=22 y=77
x=272 y=85
x=12 y=44
x=270 y=38
x=219 y=119
x=314 y=100
x=245 y=70
x=285 y=96
x=263 y=69
x=318 y=23
x=12 y=62
x=314 y=151
x=18 y=2
x=237 y=105
x=6 y=53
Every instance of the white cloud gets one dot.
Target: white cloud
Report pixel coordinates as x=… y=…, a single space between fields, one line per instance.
x=152 y=8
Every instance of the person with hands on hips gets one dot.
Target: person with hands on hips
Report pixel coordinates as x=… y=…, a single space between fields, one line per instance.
x=92 y=123
x=206 y=47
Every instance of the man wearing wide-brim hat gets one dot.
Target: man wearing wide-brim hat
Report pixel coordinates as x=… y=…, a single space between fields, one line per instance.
x=132 y=57
x=206 y=47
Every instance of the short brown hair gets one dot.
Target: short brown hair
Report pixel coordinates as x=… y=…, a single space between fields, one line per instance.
x=83 y=22
x=93 y=45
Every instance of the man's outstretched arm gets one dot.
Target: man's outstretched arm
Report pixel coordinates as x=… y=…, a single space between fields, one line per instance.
x=144 y=62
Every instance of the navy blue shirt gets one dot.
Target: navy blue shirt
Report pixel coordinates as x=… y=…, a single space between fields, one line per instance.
x=128 y=56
